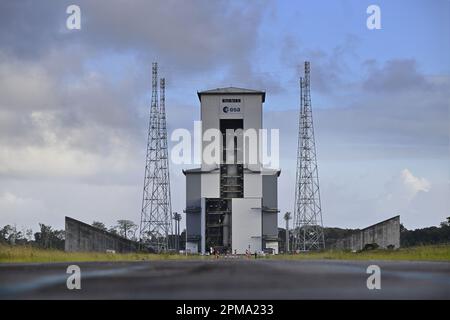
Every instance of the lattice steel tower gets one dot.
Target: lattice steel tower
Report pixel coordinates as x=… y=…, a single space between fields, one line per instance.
x=164 y=161
x=156 y=223
x=308 y=226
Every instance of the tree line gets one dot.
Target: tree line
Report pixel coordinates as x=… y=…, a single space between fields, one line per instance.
x=425 y=236
x=408 y=238
x=49 y=238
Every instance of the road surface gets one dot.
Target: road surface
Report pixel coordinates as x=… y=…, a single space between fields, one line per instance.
x=227 y=279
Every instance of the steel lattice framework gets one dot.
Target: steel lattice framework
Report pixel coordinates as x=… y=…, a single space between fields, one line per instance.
x=164 y=160
x=156 y=220
x=308 y=225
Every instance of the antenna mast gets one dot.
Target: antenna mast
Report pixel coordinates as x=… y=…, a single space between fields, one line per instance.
x=308 y=225
x=156 y=222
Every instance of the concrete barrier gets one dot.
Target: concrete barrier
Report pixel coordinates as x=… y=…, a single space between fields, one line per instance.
x=385 y=234
x=84 y=237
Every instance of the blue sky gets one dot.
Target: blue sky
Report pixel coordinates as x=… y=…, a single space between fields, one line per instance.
x=74 y=104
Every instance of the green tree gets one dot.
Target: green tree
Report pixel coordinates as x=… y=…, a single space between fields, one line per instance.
x=5 y=233
x=48 y=238
x=29 y=234
x=113 y=230
x=126 y=229
x=425 y=236
x=99 y=225
x=9 y=234
x=446 y=223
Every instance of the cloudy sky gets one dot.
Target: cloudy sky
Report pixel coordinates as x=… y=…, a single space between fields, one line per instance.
x=74 y=104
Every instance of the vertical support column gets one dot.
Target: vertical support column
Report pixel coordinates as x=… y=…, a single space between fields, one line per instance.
x=203 y=226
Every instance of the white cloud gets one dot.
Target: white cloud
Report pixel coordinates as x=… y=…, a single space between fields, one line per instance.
x=403 y=187
x=416 y=199
x=25 y=85
x=8 y=198
x=27 y=205
x=414 y=184
x=19 y=210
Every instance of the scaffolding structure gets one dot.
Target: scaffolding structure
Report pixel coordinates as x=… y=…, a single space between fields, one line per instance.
x=308 y=225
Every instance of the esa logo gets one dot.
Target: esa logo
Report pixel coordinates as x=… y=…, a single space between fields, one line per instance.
x=231 y=109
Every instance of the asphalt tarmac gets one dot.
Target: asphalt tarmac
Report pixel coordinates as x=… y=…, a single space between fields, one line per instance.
x=227 y=279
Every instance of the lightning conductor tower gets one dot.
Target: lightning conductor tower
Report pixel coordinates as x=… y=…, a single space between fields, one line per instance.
x=166 y=202
x=155 y=216
x=308 y=225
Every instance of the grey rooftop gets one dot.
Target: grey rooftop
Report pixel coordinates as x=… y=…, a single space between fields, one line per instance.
x=231 y=91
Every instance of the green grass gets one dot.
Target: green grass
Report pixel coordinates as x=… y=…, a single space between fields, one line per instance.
x=11 y=254
x=15 y=254
x=421 y=253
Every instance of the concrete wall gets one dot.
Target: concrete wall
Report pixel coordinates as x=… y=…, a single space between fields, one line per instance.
x=84 y=237
x=193 y=203
x=270 y=201
x=211 y=114
x=253 y=120
x=210 y=120
x=246 y=225
x=252 y=185
x=384 y=234
x=210 y=185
